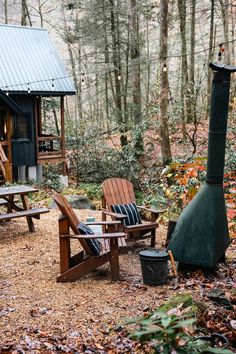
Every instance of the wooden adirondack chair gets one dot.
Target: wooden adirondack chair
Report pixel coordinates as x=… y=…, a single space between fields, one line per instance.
x=76 y=266
x=120 y=191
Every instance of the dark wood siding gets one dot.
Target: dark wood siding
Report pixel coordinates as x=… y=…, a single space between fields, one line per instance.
x=24 y=131
x=23 y=152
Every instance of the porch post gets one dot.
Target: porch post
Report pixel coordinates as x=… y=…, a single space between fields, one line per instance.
x=9 y=147
x=63 y=135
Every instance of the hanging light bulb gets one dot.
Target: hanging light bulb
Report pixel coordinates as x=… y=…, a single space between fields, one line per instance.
x=29 y=90
x=53 y=87
x=165 y=67
x=119 y=77
x=7 y=93
x=82 y=79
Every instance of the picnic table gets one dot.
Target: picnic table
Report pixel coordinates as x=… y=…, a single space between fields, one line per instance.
x=15 y=199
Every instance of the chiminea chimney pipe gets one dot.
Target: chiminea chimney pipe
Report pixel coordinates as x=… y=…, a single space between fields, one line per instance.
x=201 y=234
x=218 y=122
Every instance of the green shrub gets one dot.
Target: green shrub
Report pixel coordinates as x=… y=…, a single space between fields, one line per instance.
x=168 y=334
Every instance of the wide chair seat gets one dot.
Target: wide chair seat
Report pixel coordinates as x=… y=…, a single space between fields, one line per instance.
x=118 y=202
x=97 y=249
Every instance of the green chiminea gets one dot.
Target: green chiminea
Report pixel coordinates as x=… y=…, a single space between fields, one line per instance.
x=201 y=234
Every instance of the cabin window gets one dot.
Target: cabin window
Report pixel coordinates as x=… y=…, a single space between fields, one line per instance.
x=22 y=127
x=3 y=125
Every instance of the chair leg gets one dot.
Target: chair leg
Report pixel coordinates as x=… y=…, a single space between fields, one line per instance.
x=153 y=238
x=114 y=260
x=64 y=243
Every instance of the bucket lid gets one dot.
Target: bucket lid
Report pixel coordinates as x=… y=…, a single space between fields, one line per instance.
x=154 y=254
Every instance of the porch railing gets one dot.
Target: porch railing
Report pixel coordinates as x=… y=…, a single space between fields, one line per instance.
x=50 y=146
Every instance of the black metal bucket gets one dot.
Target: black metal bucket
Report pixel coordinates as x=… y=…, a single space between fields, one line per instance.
x=154 y=265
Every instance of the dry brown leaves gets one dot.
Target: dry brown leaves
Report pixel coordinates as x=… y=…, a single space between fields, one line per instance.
x=39 y=315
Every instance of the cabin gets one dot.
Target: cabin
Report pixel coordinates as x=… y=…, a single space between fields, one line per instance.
x=33 y=86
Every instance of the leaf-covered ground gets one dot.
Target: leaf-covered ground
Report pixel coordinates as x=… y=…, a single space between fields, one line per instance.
x=39 y=315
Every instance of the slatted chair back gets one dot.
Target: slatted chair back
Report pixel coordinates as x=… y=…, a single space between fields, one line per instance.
x=120 y=191
x=117 y=191
x=68 y=211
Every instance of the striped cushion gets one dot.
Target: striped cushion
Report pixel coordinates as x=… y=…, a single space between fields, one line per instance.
x=130 y=210
x=93 y=244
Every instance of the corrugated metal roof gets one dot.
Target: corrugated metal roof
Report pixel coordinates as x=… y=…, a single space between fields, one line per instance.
x=28 y=61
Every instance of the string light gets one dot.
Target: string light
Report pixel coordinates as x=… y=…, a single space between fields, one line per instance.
x=82 y=79
x=165 y=67
x=221 y=51
x=53 y=87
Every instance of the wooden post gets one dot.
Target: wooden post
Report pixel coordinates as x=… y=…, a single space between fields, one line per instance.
x=65 y=252
x=9 y=148
x=38 y=123
x=114 y=260
x=63 y=135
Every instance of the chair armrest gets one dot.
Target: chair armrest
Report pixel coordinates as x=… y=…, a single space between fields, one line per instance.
x=140 y=227
x=108 y=235
x=109 y=223
x=115 y=215
x=153 y=211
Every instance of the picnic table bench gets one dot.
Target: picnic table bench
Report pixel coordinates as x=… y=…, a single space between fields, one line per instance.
x=7 y=199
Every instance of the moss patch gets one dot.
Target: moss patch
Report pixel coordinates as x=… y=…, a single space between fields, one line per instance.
x=184 y=301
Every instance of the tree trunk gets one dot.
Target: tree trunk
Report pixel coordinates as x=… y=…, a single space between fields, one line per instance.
x=136 y=81
x=210 y=54
x=184 y=64
x=225 y=17
x=77 y=85
x=40 y=12
x=107 y=72
x=5 y=11
x=163 y=97
x=117 y=72
x=148 y=61
x=25 y=14
x=192 y=65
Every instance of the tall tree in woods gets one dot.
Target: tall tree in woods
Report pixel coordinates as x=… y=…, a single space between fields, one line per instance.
x=116 y=57
x=224 y=4
x=232 y=27
x=184 y=65
x=211 y=51
x=25 y=14
x=163 y=96
x=192 y=62
x=71 y=37
x=107 y=74
x=135 y=73
x=5 y=6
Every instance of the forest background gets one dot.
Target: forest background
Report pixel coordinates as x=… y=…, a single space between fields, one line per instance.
x=141 y=111
x=140 y=69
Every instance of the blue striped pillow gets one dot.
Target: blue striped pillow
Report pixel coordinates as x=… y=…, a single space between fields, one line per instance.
x=130 y=210
x=93 y=244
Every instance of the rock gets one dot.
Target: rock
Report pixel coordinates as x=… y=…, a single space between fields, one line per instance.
x=76 y=201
